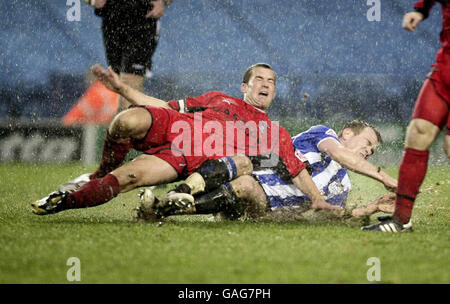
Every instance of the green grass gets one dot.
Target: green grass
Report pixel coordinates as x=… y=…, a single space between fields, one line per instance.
x=113 y=248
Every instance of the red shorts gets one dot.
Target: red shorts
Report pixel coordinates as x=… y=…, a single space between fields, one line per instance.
x=164 y=139
x=434 y=97
x=440 y=73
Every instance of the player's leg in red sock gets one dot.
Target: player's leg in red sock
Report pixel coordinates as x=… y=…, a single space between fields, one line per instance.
x=95 y=192
x=411 y=175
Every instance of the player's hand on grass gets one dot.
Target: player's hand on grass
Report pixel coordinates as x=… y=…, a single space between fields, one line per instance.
x=411 y=20
x=321 y=204
x=109 y=78
x=386 y=203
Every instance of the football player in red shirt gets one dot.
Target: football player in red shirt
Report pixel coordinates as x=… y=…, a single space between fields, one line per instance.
x=431 y=114
x=174 y=142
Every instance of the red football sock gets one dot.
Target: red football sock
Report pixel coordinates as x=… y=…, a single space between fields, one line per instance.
x=95 y=192
x=112 y=156
x=411 y=175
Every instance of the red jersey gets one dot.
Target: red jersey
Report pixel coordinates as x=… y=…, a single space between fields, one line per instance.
x=424 y=6
x=225 y=126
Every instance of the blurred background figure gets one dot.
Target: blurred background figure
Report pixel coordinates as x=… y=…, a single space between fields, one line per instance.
x=130 y=34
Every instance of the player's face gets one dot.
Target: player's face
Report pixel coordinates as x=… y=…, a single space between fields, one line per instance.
x=260 y=89
x=364 y=144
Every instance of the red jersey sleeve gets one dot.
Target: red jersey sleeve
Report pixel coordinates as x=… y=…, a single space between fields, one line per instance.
x=183 y=105
x=177 y=105
x=287 y=153
x=424 y=6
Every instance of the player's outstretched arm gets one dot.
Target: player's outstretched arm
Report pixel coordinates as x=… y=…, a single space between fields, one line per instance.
x=305 y=183
x=112 y=81
x=411 y=20
x=352 y=161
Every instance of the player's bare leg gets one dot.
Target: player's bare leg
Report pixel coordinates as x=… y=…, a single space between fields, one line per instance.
x=144 y=170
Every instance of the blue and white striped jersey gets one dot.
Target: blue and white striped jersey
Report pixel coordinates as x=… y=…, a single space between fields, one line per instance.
x=329 y=176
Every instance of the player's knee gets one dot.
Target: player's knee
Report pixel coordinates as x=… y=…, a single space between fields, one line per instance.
x=252 y=201
x=120 y=125
x=130 y=123
x=244 y=186
x=243 y=164
x=420 y=134
x=419 y=127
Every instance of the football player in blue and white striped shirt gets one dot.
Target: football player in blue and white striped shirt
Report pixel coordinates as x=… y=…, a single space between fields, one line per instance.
x=328 y=156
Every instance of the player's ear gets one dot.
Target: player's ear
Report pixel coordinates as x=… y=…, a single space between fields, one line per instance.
x=244 y=88
x=347 y=133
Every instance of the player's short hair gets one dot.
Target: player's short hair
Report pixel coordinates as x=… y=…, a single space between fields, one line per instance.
x=357 y=126
x=249 y=71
